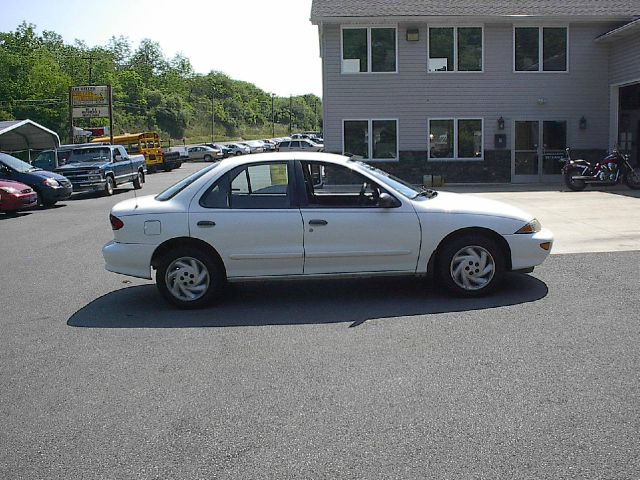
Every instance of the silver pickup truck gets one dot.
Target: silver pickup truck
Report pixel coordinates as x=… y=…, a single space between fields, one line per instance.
x=102 y=168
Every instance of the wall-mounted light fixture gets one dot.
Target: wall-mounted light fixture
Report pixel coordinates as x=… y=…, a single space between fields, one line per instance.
x=541 y=101
x=583 y=123
x=501 y=123
x=413 y=35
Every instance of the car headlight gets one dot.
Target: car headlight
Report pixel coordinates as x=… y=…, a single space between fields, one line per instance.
x=51 y=182
x=10 y=190
x=533 y=226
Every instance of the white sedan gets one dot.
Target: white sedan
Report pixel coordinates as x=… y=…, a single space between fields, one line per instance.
x=292 y=215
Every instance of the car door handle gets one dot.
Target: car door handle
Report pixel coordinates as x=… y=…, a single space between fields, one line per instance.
x=206 y=224
x=318 y=222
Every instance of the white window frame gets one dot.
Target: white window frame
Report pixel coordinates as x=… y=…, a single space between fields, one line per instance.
x=370 y=137
x=541 y=48
x=455 y=157
x=455 y=48
x=369 y=65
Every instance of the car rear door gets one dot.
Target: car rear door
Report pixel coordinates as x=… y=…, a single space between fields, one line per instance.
x=250 y=218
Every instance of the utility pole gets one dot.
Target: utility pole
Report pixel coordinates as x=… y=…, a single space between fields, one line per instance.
x=213 y=117
x=290 y=114
x=273 y=124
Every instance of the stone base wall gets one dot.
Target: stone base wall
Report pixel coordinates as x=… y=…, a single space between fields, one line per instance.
x=494 y=168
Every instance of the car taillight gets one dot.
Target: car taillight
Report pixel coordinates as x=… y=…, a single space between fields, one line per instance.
x=116 y=223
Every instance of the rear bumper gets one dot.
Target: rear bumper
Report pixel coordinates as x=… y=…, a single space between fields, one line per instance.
x=129 y=259
x=526 y=250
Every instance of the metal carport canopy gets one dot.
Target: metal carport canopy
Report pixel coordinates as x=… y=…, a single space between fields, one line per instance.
x=17 y=135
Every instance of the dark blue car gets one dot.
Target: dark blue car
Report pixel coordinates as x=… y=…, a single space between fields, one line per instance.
x=50 y=187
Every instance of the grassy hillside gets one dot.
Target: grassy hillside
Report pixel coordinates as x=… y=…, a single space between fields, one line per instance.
x=150 y=91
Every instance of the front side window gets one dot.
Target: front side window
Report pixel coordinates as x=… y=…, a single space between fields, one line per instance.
x=540 y=49
x=261 y=186
x=335 y=186
x=371 y=139
x=369 y=50
x=455 y=139
x=455 y=49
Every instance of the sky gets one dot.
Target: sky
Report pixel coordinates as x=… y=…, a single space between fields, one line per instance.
x=270 y=43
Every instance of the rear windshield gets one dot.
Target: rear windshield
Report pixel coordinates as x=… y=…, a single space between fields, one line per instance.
x=172 y=191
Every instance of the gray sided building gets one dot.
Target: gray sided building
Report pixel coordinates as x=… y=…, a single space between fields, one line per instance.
x=479 y=91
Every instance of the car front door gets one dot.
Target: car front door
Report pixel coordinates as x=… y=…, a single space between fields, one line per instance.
x=347 y=231
x=249 y=217
x=122 y=168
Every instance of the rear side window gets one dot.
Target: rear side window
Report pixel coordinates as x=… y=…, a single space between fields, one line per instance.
x=261 y=186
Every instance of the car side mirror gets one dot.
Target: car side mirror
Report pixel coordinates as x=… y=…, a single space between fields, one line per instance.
x=387 y=201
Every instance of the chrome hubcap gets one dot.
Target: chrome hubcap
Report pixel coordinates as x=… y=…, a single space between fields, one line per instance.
x=187 y=279
x=472 y=268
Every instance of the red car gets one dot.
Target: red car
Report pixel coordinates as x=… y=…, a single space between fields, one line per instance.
x=16 y=196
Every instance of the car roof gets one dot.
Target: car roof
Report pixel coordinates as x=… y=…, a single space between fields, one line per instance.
x=233 y=162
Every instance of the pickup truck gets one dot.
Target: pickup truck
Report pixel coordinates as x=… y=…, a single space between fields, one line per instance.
x=102 y=168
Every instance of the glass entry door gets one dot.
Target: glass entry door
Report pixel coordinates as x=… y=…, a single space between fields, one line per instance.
x=539 y=147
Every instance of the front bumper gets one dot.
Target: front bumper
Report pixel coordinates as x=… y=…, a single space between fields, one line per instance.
x=19 y=201
x=56 y=194
x=128 y=259
x=526 y=250
x=89 y=186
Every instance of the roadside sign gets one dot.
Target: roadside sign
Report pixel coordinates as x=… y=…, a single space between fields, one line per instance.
x=91 y=112
x=89 y=96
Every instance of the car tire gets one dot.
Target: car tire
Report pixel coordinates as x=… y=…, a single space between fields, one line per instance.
x=208 y=158
x=189 y=278
x=109 y=186
x=138 y=181
x=45 y=203
x=238 y=153
x=470 y=265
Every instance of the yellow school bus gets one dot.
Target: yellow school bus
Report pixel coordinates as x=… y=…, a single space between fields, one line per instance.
x=146 y=143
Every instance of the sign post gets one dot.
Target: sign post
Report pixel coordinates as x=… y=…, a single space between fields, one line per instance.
x=91 y=101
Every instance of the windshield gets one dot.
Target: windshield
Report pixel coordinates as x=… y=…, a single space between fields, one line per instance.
x=89 y=155
x=172 y=191
x=18 y=165
x=401 y=186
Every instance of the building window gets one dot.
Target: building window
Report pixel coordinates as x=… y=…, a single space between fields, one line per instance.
x=383 y=135
x=369 y=50
x=540 y=49
x=454 y=49
x=459 y=138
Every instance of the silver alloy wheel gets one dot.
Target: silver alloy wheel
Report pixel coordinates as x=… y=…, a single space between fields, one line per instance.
x=187 y=279
x=472 y=268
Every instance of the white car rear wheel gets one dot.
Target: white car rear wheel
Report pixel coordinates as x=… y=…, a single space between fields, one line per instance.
x=189 y=278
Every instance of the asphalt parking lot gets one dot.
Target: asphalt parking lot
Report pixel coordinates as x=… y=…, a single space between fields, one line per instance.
x=346 y=379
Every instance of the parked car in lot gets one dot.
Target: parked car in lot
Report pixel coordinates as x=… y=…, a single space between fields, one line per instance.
x=269 y=145
x=102 y=168
x=204 y=153
x=16 y=196
x=226 y=151
x=49 y=186
x=255 y=146
x=238 y=148
x=303 y=145
x=240 y=219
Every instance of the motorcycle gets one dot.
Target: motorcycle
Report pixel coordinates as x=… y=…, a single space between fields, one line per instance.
x=611 y=170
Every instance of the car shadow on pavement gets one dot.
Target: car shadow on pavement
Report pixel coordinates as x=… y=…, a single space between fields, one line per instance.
x=299 y=303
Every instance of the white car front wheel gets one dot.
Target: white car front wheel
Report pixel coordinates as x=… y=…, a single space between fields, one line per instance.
x=471 y=265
